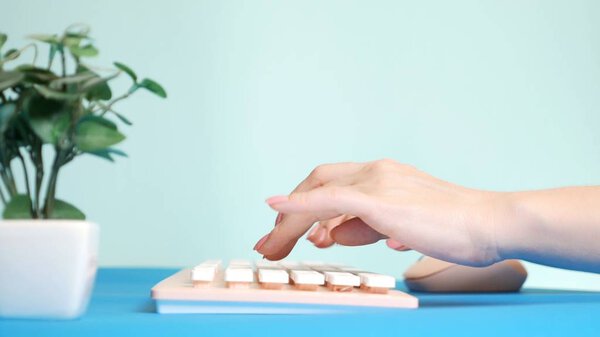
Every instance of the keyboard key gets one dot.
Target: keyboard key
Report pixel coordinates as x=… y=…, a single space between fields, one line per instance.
x=341 y=281
x=324 y=268
x=240 y=263
x=266 y=264
x=214 y=263
x=204 y=273
x=273 y=278
x=352 y=270
x=307 y=279
x=376 y=283
x=239 y=277
x=201 y=272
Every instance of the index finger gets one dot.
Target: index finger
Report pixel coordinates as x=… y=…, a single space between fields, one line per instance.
x=322 y=203
x=292 y=226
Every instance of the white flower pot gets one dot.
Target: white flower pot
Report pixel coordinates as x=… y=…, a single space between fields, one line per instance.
x=47 y=267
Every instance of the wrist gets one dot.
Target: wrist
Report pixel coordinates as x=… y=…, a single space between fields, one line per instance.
x=509 y=230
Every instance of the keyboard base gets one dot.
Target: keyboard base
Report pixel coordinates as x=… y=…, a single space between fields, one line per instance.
x=176 y=295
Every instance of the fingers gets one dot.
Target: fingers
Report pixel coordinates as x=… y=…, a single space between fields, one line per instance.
x=322 y=175
x=355 y=232
x=303 y=209
x=283 y=252
x=322 y=239
x=320 y=234
x=396 y=245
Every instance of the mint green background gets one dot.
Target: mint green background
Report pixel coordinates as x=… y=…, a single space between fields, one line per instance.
x=500 y=95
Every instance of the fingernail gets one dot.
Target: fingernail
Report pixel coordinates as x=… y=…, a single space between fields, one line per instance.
x=278 y=219
x=277 y=199
x=261 y=242
x=394 y=244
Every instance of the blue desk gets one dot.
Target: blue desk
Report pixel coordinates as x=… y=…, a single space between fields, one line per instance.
x=121 y=307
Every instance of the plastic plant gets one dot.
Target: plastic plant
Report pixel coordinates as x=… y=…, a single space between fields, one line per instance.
x=66 y=105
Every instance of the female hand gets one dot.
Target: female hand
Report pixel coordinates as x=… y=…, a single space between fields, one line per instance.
x=362 y=203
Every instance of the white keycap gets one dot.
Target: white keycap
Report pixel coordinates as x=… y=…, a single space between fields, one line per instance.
x=342 y=279
x=293 y=265
x=377 y=280
x=307 y=277
x=235 y=274
x=207 y=263
x=352 y=270
x=203 y=273
x=289 y=264
x=268 y=264
x=273 y=276
x=240 y=263
x=324 y=268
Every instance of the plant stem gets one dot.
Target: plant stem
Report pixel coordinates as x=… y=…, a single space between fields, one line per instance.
x=51 y=191
x=8 y=181
x=63 y=61
x=28 y=189
x=2 y=197
x=11 y=178
x=120 y=98
x=37 y=159
x=2 y=188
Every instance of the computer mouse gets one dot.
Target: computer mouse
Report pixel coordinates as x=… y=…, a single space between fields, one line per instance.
x=433 y=275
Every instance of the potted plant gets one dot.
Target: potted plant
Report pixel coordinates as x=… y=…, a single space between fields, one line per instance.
x=50 y=115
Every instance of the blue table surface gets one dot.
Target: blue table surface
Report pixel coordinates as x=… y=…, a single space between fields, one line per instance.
x=121 y=306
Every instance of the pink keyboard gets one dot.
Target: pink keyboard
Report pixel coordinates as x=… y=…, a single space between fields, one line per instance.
x=282 y=287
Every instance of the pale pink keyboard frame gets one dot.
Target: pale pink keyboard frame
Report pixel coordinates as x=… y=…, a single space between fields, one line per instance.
x=178 y=287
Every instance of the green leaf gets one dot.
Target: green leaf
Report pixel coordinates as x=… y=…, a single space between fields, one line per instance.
x=117 y=152
x=11 y=54
x=7 y=111
x=53 y=39
x=153 y=87
x=84 y=51
x=49 y=118
x=65 y=210
x=93 y=135
x=54 y=48
x=119 y=116
x=19 y=207
x=3 y=38
x=71 y=40
x=74 y=79
x=53 y=94
x=122 y=118
x=98 y=119
x=97 y=88
x=79 y=29
x=9 y=79
x=127 y=70
x=106 y=153
x=36 y=75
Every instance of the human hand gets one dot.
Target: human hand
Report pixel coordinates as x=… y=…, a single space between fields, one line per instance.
x=362 y=203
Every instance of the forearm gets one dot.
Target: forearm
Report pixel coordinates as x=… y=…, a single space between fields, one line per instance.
x=558 y=227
